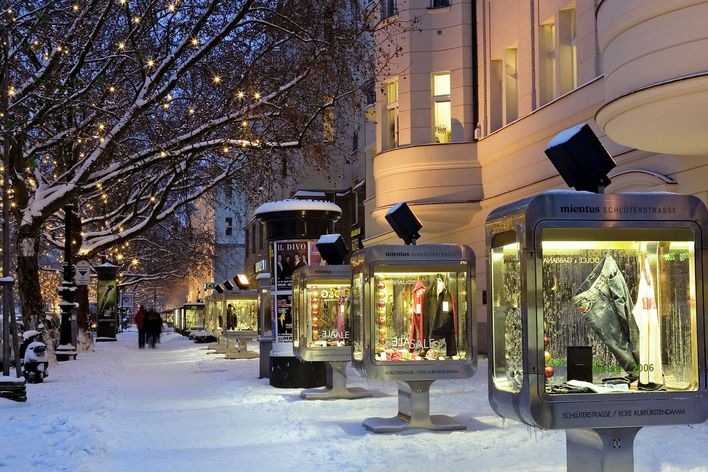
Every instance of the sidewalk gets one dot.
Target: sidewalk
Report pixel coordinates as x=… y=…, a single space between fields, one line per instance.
x=177 y=408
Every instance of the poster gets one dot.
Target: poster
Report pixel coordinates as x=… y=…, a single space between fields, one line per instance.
x=284 y=318
x=289 y=256
x=107 y=297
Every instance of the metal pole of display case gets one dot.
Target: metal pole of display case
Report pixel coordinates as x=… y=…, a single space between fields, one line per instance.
x=600 y=449
x=413 y=412
x=339 y=388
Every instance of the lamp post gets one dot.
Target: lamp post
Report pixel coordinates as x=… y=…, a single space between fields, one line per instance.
x=67 y=345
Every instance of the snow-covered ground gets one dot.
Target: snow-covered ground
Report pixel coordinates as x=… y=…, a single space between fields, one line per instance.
x=177 y=408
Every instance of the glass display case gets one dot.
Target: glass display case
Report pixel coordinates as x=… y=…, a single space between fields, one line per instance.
x=412 y=322
x=321 y=309
x=239 y=322
x=596 y=310
x=193 y=316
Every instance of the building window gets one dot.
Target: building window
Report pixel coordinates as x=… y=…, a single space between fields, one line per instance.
x=558 y=56
x=547 y=61
x=511 y=86
x=254 y=238
x=567 y=51
x=391 y=124
x=442 y=119
x=261 y=232
x=248 y=236
x=388 y=8
x=229 y=226
x=496 y=101
x=439 y=3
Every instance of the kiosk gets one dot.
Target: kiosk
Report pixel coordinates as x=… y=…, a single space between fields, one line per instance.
x=321 y=309
x=240 y=322
x=192 y=317
x=412 y=323
x=595 y=317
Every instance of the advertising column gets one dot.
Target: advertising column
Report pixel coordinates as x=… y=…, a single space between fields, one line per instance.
x=106 y=303
x=292 y=229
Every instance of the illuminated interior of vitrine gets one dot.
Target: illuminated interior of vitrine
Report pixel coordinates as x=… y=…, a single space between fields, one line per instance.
x=616 y=314
x=240 y=314
x=419 y=315
x=327 y=307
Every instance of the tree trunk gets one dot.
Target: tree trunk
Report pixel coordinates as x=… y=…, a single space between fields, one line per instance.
x=28 y=277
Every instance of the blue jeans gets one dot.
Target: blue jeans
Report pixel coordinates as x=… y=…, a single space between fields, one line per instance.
x=603 y=299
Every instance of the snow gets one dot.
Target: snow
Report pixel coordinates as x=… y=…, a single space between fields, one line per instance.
x=178 y=408
x=297 y=205
x=564 y=136
x=329 y=238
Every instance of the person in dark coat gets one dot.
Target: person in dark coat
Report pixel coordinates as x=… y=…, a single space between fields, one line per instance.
x=140 y=324
x=153 y=326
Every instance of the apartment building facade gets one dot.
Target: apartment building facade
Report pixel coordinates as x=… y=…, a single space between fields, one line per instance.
x=468 y=106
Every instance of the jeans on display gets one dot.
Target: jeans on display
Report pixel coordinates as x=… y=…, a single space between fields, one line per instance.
x=603 y=299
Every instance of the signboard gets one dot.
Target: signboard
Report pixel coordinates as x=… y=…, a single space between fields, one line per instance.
x=209 y=286
x=127 y=300
x=82 y=272
x=107 y=295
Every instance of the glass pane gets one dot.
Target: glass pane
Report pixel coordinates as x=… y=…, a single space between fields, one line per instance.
x=391 y=92
x=441 y=84
x=443 y=120
x=620 y=314
x=357 y=314
x=328 y=315
x=241 y=315
x=506 y=317
x=420 y=316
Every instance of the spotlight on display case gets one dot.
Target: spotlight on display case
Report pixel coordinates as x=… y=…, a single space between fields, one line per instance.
x=595 y=317
x=412 y=322
x=321 y=309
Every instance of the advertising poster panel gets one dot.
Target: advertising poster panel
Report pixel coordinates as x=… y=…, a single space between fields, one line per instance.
x=284 y=318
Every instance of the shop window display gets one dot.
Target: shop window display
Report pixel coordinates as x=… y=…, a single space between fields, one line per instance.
x=418 y=316
x=327 y=314
x=240 y=314
x=619 y=314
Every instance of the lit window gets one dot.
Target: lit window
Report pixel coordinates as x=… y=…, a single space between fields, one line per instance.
x=442 y=119
x=558 y=56
x=391 y=114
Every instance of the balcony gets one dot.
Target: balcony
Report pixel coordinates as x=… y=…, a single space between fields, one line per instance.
x=656 y=74
x=439 y=181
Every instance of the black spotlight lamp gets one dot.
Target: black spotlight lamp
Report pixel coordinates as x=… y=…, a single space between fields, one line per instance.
x=218 y=288
x=332 y=248
x=581 y=159
x=241 y=281
x=404 y=222
x=227 y=284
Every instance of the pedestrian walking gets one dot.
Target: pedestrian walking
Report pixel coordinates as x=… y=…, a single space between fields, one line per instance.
x=153 y=326
x=140 y=324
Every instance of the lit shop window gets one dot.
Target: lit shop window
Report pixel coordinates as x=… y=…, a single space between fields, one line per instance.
x=391 y=124
x=442 y=120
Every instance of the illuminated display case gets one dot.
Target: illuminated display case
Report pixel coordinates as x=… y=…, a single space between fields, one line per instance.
x=240 y=322
x=193 y=316
x=321 y=308
x=596 y=310
x=412 y=322
x=321 y=302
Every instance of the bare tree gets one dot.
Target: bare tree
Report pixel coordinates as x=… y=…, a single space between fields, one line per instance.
x=132 y=109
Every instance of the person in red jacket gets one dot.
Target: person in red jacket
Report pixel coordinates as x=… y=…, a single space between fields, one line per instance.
x=140 y=324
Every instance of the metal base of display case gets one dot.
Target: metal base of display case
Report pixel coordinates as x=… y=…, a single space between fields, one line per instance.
x=339 y=388
x=413 y=412
x=600 y=450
